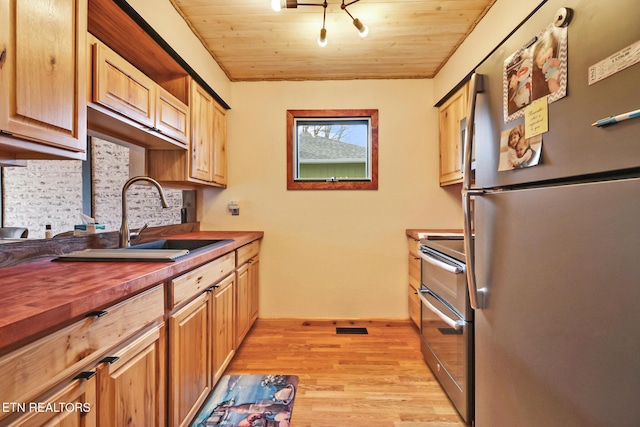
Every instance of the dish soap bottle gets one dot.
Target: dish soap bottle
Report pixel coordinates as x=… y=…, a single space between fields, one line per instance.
x=47 y=231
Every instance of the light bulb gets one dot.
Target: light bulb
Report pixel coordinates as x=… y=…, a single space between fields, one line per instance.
x=322 y=39
x=363 y=30
x=276 y=6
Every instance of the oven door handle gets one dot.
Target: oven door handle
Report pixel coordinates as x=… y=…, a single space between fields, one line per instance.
x=441 y=264
x=455 y=324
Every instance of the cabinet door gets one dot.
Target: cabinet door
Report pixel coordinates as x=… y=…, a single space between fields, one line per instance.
x=219 y=145
x=202 y=108
x=222 y=328
x=42 y=71
x=79 y=396
x=414 y=286
x=254 y=285
x=131 y=388
x=189 y=360
x=121 y=87
x=242 y=303
x=450 y=114
x=172 y=116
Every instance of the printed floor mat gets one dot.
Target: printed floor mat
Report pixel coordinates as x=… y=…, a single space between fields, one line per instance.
x=249 y=401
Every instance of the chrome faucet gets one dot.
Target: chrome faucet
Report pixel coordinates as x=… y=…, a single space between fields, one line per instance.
x=125 y=234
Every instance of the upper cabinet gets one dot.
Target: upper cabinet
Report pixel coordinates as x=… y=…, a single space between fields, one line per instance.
x=205 y=163
x=128 y=105
x=450 y=119
x=143 y=95
x=43 y=79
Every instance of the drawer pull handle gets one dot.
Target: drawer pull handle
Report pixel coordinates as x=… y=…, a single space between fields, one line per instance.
x=85 y=375
x=97 y=313
x=110 y=359
x=3 y=54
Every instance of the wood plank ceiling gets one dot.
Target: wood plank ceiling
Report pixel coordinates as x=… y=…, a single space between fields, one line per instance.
x=407 y=38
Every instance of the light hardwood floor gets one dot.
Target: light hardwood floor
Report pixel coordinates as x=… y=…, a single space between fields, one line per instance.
x=374 y=380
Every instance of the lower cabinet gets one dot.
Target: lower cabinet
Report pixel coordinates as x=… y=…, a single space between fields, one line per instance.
x=105 y=370
x=72 y=406
x=223 y=323
x=414 y=281
x=248 y=278
x=150 y=360
x=131 y=383
x=189 y=359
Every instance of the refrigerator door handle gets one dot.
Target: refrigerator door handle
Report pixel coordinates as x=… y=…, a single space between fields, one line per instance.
x=455 y=324
x=475 y=296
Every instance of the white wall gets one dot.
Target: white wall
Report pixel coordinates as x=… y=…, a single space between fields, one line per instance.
x=333 y=254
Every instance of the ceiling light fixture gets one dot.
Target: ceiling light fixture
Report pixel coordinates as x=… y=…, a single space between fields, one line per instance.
x=363 y=30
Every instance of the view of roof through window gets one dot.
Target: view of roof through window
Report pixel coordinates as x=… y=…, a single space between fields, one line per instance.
x=333 y=149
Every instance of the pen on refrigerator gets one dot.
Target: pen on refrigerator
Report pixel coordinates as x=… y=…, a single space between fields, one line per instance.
x=615 y=119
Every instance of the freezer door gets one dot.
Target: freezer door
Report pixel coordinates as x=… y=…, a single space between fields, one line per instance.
x=558 y=340
x=571 y=147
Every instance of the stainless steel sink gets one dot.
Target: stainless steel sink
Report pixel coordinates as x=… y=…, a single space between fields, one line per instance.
x=192 y=245
x=157 y=250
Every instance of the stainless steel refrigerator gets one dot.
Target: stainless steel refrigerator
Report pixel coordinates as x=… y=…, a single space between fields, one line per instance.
x=554 y=268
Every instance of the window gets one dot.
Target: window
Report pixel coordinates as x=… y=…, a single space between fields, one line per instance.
x=332 y=149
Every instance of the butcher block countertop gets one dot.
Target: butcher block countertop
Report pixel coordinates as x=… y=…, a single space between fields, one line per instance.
x=415 y=233
x=39 y=297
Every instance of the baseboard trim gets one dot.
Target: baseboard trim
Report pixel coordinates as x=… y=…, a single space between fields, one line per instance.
x=332 y=323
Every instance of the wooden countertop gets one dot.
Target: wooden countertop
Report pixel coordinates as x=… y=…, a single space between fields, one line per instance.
x=413 y=232
x=40 y=296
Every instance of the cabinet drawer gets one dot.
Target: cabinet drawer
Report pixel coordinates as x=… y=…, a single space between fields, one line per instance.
x=36 y=367
x=196 y=281
x=248 y=251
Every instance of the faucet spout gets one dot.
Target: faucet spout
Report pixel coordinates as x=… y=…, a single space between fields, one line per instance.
x=125 y=233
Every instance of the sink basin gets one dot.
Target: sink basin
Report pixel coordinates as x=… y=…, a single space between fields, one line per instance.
x=157 y=250
x=192 y=245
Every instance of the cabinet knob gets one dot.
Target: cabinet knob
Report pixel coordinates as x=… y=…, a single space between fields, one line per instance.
x=110 y=359
x=97 y=313
x=85 y=375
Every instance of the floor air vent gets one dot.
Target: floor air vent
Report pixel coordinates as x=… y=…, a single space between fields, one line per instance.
x=352 y=331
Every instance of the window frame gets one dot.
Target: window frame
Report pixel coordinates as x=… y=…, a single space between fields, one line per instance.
x=323 y=184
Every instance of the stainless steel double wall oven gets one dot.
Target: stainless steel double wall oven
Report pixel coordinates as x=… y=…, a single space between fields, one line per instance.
x=447 y=319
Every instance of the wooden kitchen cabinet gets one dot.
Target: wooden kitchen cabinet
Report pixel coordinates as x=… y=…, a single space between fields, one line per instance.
x=223 y=317
x=247 y=275
x=43 y=79
x=189 y=359
x=205 y=163
x=219 y=142
x=193 y=335
x=32 y=372
x=146 y=112
x=131 y=383
x=414 y=280
x=450 y=115
x=79 y=393
x=77 y=347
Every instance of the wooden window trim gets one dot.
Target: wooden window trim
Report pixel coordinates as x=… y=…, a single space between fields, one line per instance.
x=292 y=184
